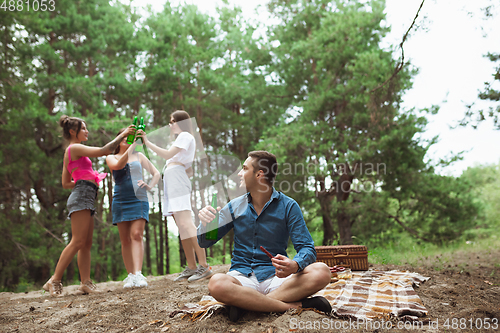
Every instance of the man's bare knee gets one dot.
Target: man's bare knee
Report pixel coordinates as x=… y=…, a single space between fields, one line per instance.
x=221 y=287
x=323 y=274
x=320 y=273
x=217 y=284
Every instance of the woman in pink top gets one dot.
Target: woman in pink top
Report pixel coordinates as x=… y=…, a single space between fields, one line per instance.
x=79 y=176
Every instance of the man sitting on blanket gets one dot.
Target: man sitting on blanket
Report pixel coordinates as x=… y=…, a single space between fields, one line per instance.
x=268 y=218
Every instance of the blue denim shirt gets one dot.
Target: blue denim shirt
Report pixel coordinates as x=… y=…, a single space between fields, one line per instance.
x=280 y=219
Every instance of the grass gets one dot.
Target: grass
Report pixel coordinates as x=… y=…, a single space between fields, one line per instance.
x=408 y=251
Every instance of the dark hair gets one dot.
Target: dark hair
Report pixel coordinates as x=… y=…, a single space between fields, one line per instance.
x=70 y=123
x=266 y=162
x=117 y=150
x=179 y=116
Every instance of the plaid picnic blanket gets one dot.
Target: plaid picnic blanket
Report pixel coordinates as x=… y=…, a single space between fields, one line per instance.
x=376 y=295
x=367 y=296
x=198 y=311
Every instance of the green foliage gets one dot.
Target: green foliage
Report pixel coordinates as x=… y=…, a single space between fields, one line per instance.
x=397 y=247
x=485 y=183
x=435 y=209
x=399 y=250
x=473 y=115
x=407 y=250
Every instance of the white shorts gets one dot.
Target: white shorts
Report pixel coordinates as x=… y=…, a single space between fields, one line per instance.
x=177 y=190
x=264 y=287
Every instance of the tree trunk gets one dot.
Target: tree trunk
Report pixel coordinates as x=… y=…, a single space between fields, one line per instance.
x=325 y=198
x=100 y=270
x=344 y=224
x=155 y=236
x=180 y=92
x=148 y=250
x=116 y=257
x=199 y=114
x=104 y=256
x=51 y=97
x=167 y=252
x=104 y=235
x=329 y=235
x=114 y=239
x=163 y=221
x=343 y=219
x=182 y=255
x=98 y=266
x=224 y=250
x=45 y=272
x=160 y=255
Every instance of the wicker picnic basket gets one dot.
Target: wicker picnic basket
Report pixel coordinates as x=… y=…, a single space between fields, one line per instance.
x=353 y=256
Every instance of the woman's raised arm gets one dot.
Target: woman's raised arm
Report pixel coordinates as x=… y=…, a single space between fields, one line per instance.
x=79 y=150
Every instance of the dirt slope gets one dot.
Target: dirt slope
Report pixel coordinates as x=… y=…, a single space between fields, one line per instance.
x=466 y=285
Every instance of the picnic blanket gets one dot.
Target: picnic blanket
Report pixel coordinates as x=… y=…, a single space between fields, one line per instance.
x=376 y=295
x=198 y=311
x=367 y=295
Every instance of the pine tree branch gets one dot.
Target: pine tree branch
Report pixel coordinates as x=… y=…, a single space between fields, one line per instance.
x=399 y=67
x=20 y=247
x=49 y=232
x=405 y=227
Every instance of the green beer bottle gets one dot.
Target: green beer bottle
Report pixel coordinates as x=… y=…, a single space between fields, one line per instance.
x=142 y=149
x=141 y=127
x=214 y=225
x=131 y=137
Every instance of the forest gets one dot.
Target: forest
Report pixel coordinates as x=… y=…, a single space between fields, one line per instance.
x=315 y=87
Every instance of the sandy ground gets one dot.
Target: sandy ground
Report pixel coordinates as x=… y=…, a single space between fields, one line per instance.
x=466 y=286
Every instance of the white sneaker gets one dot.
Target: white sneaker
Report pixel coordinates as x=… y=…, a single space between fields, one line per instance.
x=140 y=280
x=129 y=281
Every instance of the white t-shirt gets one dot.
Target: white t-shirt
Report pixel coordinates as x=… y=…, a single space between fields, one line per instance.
x=186 y=142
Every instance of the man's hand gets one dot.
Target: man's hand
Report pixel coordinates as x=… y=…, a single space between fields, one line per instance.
x=284 y=265
x=207 y=214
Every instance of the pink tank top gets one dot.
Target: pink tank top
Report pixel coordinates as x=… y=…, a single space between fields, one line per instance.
x=83 y=169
